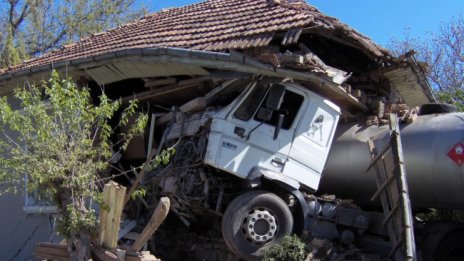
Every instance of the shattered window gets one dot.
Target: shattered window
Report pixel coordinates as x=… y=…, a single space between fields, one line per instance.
x=289 y=108
x=251 y=103
x=226 y=95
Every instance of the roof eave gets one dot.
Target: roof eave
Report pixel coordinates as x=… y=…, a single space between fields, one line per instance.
x=234 y=61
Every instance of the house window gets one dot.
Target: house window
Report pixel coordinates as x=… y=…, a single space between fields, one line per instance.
x=36 y=202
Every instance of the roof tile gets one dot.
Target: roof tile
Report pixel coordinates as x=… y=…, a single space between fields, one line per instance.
x=215 y=25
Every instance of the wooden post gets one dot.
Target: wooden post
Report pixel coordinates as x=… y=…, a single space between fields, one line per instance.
x=110 y=214
x=157 y=218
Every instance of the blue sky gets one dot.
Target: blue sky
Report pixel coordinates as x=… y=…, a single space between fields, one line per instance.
x=378 y=19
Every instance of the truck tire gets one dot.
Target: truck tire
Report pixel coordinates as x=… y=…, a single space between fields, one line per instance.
x=451 y=247
x=254 y=221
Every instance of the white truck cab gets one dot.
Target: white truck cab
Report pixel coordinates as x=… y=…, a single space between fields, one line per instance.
x=271 y=131
x=280 y=130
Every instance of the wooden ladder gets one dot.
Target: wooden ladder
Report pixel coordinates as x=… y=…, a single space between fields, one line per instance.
x=392 y=189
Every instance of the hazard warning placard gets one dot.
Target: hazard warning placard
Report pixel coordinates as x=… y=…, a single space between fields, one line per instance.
x=457 y=153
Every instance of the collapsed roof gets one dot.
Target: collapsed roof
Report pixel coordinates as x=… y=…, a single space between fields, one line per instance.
x=274 y=34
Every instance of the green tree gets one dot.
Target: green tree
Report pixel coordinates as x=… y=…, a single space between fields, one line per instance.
x=61 y=141
x=292 y=248
x=443 y=52
x=38 y=26
x=10 y=54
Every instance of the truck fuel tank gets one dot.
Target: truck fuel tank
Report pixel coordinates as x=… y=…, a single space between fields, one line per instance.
x=433 y=148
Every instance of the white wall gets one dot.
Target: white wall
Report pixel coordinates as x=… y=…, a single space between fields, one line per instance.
x=20 y=232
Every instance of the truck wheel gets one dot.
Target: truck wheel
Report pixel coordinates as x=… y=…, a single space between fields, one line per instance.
x=451 y=248
x=254 y=221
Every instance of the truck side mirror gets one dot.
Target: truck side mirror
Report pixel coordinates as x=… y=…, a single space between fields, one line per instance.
x=280 y=122
x=275 y=97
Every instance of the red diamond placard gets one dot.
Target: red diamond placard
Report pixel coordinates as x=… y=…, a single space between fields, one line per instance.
x=457 y=153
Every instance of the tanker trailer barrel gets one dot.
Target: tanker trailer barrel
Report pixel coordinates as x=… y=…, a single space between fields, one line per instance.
x=433 y=147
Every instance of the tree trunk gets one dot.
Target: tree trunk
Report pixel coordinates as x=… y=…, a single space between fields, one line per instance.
x=79 y=243
x=79 y=246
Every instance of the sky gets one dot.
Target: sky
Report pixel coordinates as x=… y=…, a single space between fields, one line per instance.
x=381 y=20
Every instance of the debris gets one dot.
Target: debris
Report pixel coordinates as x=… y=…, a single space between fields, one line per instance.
x=99 y=254
x=142 y=256
x=196 y=104
x=380 y=109
x=132 y=236
x=398 y=109
x=140 y=175
x=272 y=3
x=319 y=248
x=357 y=93
x=157 y=218
x=52 y=251
x=126 y=227
x=121 y=254
x=372 y=120
x=200 y=242
x=110 y=215
x=136 y=147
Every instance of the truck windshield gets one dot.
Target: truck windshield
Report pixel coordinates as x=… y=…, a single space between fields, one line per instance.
x=289 y=108
x=251 y=103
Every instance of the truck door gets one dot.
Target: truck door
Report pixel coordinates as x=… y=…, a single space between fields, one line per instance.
x=246 y=139
x=311 y=145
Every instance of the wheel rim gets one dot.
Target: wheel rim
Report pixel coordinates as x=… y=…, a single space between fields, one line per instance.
x=259 y=226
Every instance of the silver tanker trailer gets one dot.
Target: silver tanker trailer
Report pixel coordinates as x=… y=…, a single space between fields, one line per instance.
x=433 y=147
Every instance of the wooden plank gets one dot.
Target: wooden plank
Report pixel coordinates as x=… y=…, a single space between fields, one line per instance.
x=160 y=82
x=194 y=81
x=99 y=254
x=132 y=236
x=409 y=252
x=157 y=218
x=382 y=187
x=378 y=157
x=196 y=104
x=291 y=58
x=158 y=92
x=52 y=251
x=110 y=215
x=51 y=257
x=126 y=228
x=54 y=245
x=391 y=213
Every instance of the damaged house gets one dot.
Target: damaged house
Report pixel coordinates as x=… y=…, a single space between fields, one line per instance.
x=190 y=68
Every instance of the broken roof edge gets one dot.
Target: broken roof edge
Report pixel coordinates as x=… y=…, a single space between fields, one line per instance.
x=409 y=61
x=226 y=61
x=422 y=78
